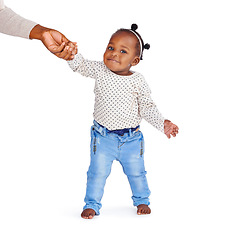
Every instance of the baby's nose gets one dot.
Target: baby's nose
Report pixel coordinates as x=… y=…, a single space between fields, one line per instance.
x=114 y=53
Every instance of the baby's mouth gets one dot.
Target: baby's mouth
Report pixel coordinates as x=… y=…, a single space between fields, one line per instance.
x=113 y=60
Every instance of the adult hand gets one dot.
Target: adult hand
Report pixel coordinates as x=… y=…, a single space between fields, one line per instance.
x=53 y=40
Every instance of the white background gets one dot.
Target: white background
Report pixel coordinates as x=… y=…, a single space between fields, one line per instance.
x=46 y=110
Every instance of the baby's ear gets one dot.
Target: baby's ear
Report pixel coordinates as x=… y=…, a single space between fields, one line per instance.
x=135 y=61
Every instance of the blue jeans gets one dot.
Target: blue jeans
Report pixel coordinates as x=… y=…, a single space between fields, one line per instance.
x=129 y=151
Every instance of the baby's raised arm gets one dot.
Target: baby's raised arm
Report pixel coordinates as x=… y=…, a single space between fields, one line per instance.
x=85 y=67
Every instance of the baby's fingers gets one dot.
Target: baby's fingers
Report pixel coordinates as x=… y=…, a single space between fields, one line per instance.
x=168 y=132
x=60 y=48
x=176 y=129
x=174 y=134
x=66 y=53
x=72 y=48
x=74 y=51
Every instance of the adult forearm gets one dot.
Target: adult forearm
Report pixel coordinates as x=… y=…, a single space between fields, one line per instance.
x=15 y=25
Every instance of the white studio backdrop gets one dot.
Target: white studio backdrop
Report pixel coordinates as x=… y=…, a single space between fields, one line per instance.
x=46 y=110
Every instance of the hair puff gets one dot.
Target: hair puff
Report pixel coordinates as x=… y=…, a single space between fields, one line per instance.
x=134 y=27
x=146 y=46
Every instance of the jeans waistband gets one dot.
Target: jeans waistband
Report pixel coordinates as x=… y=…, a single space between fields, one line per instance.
x=103 y=130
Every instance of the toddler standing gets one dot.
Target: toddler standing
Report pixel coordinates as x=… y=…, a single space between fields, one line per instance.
x=122 y=99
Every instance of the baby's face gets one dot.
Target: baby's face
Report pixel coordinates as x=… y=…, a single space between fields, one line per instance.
x=120 y=54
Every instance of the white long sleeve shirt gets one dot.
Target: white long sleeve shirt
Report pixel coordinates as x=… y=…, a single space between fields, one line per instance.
x=120 y=101
x=13 y=24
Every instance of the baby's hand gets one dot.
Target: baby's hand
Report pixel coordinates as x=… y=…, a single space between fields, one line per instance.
x=170 y=128
x=69 y=51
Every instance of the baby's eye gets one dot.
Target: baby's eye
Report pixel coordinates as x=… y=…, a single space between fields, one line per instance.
x=110 y=48
x=123 y=51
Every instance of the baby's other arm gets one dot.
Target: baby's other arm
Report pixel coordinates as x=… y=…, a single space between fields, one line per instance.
x=149 y=112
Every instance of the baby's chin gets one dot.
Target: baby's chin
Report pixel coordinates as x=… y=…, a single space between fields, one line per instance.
x=112 y=66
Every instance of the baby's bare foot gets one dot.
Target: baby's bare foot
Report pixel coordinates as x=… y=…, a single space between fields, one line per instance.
x=88 y=213
x=143 y=209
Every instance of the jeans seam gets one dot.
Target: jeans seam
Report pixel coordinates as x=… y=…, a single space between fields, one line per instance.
x=141 y=150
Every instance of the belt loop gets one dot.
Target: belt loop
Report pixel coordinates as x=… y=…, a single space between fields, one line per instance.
x=104 y=132
x=130 y=132
x=100 y=129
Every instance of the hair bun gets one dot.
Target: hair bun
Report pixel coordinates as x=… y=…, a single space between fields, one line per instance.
x=134 y=27
x=146 y=46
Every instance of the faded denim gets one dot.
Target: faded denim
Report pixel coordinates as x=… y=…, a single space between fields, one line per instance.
x=129 y=151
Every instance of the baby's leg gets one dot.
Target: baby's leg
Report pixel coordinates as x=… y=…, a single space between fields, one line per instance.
x=99 y=170
x=132 y=160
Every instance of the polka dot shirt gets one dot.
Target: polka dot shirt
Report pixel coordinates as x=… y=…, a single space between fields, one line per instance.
x=120 y=101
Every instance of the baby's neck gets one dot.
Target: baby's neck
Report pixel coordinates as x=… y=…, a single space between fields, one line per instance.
x=122 y=73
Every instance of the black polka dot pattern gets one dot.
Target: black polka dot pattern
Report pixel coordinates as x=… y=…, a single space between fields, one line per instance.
x=120 y=101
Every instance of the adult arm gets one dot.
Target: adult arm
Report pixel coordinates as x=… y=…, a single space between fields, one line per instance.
x=13 y=24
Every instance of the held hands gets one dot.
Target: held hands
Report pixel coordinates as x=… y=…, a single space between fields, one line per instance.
x=69 y=51
x=170 y=129
x=54 y=41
